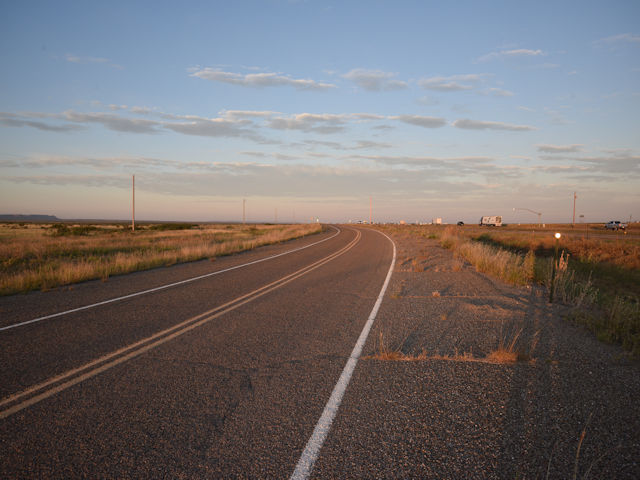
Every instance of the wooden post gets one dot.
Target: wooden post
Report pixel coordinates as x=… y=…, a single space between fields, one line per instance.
x=133 y=204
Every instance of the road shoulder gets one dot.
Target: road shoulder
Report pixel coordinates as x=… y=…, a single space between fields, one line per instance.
x=444 y=409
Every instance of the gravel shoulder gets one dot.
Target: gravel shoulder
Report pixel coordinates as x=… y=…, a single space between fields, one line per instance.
x=453 y=413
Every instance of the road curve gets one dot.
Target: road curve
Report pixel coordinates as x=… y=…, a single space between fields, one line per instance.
x=224 y=376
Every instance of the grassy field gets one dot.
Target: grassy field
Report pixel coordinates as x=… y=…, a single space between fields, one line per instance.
x=598 y=273
x=43 y=256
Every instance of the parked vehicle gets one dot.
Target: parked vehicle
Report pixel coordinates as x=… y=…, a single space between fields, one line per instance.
x=615 y=225
x=460 y=224
x=495 y=221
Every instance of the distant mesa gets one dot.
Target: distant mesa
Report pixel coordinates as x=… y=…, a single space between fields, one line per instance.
x=28 y=218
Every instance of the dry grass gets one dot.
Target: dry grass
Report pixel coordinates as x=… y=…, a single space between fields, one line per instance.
x=598 y=277
x=507 y=266
x=614 y=249
x=508 y=351
x=511 y=350
x=36 y=257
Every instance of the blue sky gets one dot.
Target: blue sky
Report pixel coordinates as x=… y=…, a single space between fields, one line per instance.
x=308 y=109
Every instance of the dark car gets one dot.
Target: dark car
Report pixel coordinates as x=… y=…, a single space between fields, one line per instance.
x=460 y=224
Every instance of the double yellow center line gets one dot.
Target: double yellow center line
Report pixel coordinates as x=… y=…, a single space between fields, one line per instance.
x=54 y=385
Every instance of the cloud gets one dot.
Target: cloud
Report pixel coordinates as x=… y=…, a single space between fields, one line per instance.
x=211 y=127
x=323 y=182
x=141 y=110
x=621 y=38
x=367 y=144
x=14 y=120
x=260 y=80
x=560 y=148
x=497 y=92
x=484 y=125
x=184 y=124
x=98 y=181
x=452 y=83
x=91 y=60
x=421 y=121
x=284 y=157
x=254 y=154
x=321 y=143
x=100 y=163
x=242 y=114
x=310 y=122
x=114 y=122
x=375 y=80
x=510 y=54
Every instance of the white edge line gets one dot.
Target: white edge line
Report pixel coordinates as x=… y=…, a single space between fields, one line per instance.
x=151 y=290
x=320 y=432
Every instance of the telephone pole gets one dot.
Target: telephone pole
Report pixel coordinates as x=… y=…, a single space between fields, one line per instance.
x=573 y=224
x=133 y=203
x=244 y=202
x=370 y=210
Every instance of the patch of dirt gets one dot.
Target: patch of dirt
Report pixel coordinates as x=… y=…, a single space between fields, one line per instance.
x=549 y=376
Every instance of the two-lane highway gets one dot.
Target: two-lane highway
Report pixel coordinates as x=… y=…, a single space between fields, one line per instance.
x=223 y=376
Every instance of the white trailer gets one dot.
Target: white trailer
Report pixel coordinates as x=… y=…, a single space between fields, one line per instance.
x=495 y=221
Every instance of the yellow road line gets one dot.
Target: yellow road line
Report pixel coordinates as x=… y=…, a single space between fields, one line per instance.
x=139 y=347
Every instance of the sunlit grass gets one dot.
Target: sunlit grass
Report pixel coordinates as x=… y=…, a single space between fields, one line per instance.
x=599 y=278
x=40 y=257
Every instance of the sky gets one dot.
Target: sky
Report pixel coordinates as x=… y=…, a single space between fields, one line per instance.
x=318 y=109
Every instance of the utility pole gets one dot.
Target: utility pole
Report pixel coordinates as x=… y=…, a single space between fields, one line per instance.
x=244 y=202
x=573 y=224
x=276 y=215
x=133 y=204
x=370 y=211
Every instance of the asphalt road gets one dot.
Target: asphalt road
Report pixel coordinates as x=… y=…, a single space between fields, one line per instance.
x=221 y=377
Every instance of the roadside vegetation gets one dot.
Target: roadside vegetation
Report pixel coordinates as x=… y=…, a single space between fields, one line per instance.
x=43 y=256
x=598 y=276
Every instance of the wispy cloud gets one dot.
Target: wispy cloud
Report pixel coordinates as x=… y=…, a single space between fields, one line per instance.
x=623 y=166
x=421 y=121
x=15 y=120
x=375 y=80
x=91 y=60
x=509 y=54
x=619 y=39
x=184 y=124
x=310 y=122
x=486 y=125
x=235 y=123
x=114 y=122
x=260 y=80
x=573 y=148
x=212 y=127
x=451 y=83
x=241 y=114
x=497 y=92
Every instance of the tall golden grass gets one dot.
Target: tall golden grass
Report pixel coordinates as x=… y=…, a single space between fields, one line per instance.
x=507 y=266
x=32 y=257
x=616 y=249
x=598 y=277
